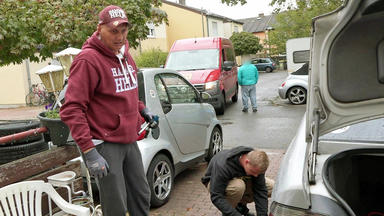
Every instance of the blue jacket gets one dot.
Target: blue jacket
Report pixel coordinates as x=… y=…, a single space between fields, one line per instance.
x=248 y=74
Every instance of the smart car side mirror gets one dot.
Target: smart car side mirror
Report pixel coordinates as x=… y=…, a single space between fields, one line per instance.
x=206 y=97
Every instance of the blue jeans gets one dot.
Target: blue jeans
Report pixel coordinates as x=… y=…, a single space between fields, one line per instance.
x=248 y=91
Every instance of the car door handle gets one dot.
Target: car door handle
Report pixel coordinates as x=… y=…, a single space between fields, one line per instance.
x=166 y=106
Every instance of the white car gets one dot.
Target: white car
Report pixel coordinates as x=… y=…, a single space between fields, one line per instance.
x=320 y=175
x=295 y=86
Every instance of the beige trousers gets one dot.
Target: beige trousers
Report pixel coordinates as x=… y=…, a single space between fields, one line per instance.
x=239 y=190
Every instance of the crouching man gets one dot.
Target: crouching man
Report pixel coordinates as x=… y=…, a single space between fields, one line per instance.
x=235 y=177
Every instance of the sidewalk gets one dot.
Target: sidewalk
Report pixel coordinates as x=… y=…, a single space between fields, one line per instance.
x=189 y=197
x=20 y=113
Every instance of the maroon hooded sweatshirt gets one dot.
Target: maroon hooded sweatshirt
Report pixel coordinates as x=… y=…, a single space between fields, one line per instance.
x=102 y=101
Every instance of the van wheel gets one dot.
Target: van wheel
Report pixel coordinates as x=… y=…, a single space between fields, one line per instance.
x=268 y=70
x=220 y=110
x=235 y=97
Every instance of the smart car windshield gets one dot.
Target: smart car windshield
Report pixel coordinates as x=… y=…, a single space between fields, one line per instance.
x=193 y=60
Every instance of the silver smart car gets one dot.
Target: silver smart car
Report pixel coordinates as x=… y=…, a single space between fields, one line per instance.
x=320 y=175
x=189 y=129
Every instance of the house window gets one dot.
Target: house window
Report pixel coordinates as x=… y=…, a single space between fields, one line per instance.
x=214 y=28
x=236 y=29
x=151 y=31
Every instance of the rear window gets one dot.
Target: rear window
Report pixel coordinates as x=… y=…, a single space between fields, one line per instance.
x=302 y=71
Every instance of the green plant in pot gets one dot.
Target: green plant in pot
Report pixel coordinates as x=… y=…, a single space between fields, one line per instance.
x=58 y=132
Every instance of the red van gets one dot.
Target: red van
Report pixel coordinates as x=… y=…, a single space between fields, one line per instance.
x=210 y=65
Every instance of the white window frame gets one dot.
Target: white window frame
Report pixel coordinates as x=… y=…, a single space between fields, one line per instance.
x=151 y=30
x=215 y=30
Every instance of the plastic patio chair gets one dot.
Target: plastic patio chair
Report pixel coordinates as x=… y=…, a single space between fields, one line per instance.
x=24 y=198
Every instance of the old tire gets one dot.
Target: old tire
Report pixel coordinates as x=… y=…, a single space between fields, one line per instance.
x=235 y=97
x=160 y=179
x=221 y=109
x=215 y=143
x=268 y=70
x=11 y=153
x=20 y=126
x=297 y=95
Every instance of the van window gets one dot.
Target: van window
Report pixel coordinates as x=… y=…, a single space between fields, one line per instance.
x=193 y=60
x=229 y=54
x=301 y=56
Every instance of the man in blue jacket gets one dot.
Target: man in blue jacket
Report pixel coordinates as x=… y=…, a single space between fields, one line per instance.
x=248 y=77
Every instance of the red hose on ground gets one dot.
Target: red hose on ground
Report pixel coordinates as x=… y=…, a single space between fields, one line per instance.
x=21 y=135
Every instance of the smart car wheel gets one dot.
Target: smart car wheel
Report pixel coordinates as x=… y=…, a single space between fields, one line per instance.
x=297 y=95
x=268 y=70
x=220 y=110
x=160 y=179
x=215 y=143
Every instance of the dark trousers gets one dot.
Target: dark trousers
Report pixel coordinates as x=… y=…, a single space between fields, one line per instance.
x=125 y=188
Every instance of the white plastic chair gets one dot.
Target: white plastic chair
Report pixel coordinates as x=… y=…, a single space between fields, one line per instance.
x=24 y=198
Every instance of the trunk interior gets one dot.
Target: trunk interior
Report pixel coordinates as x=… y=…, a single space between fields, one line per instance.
x=356 y=178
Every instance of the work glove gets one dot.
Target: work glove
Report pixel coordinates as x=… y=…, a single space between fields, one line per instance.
x=97 y=165
x=153 y=120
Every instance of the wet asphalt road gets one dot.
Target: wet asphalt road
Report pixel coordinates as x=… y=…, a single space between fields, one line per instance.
x=273 y=126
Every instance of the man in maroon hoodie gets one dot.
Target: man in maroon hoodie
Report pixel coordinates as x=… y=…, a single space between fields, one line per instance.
x=102 y=110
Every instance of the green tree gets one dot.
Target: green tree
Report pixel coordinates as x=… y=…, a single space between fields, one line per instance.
x=151 y=58
x=296 y=21
x=35 y=28
x=245 y=43
x=234 y=2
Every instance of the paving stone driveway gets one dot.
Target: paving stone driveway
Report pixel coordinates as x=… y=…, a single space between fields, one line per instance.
x=189 y=197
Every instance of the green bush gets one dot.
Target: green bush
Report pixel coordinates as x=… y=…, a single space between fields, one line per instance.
x=52 y=114
x=151 y=58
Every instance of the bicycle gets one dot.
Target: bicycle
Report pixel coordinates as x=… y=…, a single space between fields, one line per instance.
x=38 y=95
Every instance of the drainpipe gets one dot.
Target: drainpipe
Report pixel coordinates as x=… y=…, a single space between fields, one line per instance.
x=207 y=25
x=28 y=74
x=202 y=21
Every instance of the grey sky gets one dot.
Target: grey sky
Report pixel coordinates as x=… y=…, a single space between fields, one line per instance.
x=252 y=9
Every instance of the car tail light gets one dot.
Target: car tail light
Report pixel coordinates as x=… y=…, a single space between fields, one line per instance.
x=283 y=210
x=282 y=85
x=274 y=64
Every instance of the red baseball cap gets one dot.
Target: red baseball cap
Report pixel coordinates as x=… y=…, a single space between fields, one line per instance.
x=113 y=16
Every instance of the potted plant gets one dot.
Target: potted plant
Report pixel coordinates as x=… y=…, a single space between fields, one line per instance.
x=58 y=132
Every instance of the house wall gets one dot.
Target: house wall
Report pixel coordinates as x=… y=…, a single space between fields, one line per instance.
x=183 y=23
x=219 y=27
x=159 y=40
x=14 y=82
x=261 y=36
x=229 y=28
